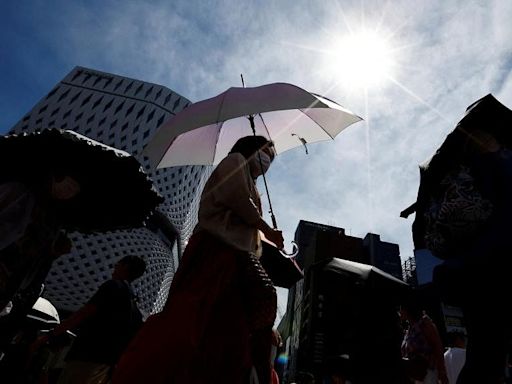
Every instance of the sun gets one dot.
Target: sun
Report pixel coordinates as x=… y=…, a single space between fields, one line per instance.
x=361 y=59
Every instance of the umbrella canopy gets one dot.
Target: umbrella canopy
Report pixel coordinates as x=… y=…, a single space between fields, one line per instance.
x=115 y=192
x=355 y=306
x=489 y=115
x=204 y=132
x=368 y=273
x=486 y=114
x=373 y=279
x=44 y=311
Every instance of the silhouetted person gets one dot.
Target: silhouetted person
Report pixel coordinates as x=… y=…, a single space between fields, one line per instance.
x=468 y=187
x=30 y=239
x=486 y=265
x=105 y=326
x=455 y=355
x=216 y=327
x=277 y=342
x=422 y=345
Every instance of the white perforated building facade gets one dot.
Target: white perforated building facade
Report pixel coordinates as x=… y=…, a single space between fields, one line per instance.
x=123 y=113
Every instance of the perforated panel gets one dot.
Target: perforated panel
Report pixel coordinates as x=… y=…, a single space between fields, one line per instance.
x=123 y=113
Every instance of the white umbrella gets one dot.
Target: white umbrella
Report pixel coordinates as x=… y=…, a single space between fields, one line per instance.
x=205 y=131
x=44 y=311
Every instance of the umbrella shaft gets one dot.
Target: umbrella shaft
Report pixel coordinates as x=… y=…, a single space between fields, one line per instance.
x=274 y=222
x=271 y=211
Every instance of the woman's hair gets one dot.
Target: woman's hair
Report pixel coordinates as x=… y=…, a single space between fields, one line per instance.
x=248 y=145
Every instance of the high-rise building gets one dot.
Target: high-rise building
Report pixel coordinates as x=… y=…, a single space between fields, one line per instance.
x=325 y=313
x=123 y=113
x=319 y=242
x=383 y=255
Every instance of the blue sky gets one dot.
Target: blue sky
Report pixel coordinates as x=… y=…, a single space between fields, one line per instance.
x=445 y=55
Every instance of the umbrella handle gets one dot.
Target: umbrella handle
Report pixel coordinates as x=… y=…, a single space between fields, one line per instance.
x=293 y=253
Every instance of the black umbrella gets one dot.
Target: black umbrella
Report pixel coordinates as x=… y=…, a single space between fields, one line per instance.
x=486 y=114
x=115 y=192
x=368 y=275
x=489 y=115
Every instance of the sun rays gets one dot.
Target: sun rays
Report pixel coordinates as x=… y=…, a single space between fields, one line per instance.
x=364 y=55
x=362 y=59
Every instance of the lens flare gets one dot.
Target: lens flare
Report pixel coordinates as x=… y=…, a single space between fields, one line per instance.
x=282 y=359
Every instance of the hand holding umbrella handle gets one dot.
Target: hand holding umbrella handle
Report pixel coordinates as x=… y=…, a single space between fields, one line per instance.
x=295 y=247
x=275 y=236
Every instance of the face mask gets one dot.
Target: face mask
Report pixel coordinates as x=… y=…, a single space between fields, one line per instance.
x=258 y=168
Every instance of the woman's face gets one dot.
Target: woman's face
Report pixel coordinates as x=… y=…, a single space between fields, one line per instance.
x=270 y=150
x=260 y=161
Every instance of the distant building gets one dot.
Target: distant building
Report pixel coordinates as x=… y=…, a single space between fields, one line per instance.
x=409 y=271
x=317 y=325
x=318 y=242
x=123 y=113
x=383 y=255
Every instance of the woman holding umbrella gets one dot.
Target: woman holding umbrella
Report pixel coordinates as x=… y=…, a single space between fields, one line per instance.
x=217 y=324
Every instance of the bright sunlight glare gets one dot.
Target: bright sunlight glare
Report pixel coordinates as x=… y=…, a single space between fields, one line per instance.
x=361 y=60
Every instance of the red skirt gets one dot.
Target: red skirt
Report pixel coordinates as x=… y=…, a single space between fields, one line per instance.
x=203 y=334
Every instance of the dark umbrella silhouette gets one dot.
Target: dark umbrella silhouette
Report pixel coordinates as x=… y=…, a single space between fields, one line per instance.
x=115 y=193
x=486 y=114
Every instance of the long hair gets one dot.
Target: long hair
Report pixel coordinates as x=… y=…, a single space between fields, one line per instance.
x=249 y=145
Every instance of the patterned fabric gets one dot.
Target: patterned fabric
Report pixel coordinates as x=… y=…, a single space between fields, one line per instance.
x=416 y=342
x=456 y=214
x=418 y=351
x=261 y=294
